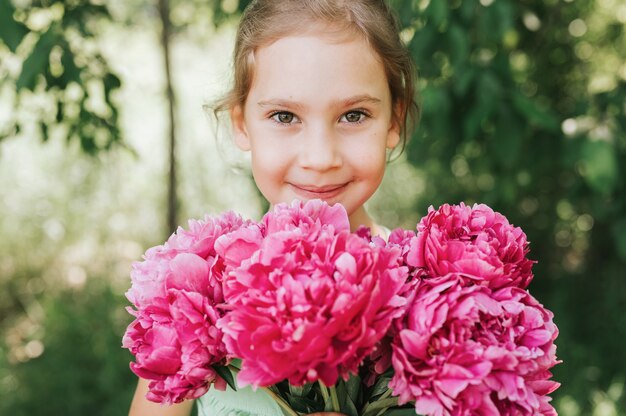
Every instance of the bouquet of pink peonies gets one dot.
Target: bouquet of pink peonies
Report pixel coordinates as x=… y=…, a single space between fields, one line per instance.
x=434 y=322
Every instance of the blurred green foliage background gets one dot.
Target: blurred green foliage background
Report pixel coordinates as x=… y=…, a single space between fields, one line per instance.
x=524 y=108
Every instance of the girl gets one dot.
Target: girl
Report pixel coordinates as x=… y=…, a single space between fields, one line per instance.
x=323 y=92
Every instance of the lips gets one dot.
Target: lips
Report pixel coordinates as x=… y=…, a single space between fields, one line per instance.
x=319 y=192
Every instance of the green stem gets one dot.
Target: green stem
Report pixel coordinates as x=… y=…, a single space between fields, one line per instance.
x=281 y=402
x=334 y=399
x=385 y=395
x=324 y=391
x=373 y=408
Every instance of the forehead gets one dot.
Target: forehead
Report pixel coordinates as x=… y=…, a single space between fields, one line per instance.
x=304 y=65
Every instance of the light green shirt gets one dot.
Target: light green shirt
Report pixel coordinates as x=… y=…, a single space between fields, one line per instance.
x=243 y=402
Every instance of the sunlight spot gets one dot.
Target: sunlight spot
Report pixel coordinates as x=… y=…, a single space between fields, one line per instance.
x=568 y=406
x=33 y=349
x=407 y=34
x=584 y=222
x=622 y=71
x=569 y=127
x=529 y=206
x=459 y=166
x=616 y=390
x=230 y=6
x=531 y=21
x=621 y=13
x=54 y=229
x=601 y=132
x=76 y=276
x=584 y=50
x=577 y=28
x=601 y=83
x=564 y=210
x=563 y=238
x=607 y=4
x=424 y=4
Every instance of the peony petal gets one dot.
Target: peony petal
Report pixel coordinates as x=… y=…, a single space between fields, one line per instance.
x=189 y=272
x=414 y=343
x=451 y=386
x=429 y=405
x=536 y=338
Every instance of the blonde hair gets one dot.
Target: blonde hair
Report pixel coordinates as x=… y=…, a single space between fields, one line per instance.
x=265 y=21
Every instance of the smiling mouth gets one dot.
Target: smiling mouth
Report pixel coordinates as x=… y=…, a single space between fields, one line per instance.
x=320 y=192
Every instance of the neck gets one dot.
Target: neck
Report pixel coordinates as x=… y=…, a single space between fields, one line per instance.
x=361 y=217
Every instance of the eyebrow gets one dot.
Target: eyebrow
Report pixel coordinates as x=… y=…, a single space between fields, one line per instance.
x=357 y=99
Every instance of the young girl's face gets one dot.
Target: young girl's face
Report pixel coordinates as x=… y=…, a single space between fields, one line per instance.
x=318 y=120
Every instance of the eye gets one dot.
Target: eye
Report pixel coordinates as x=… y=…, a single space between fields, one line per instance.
x=284 y=117
x=355 y=117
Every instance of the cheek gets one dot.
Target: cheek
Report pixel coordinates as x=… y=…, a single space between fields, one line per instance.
x=370 y=158
x=270 y=166
x=265 y=165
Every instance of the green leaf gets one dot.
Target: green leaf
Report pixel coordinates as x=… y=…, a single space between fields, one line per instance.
x=349 y=408
x=400 y=412
x=505 y=16
x=301 y=404
x=37 y=61
x=535 y=114
x=404 y=11
x=59 y=115
x=437 y=11
x=236 y=362
x=375 y=407
x=495 y=20
x=225 y=373
x=345 y=402
x=463 y=81
x=328 y=407
x=300 y=391
x=474 y=119
x=11 y=31
x=489 y=92
x=424 y=45
x=44 y=131
x=435 y=101
x=489 y=88
x=506 y=143
x=459 y=45
x=600 y=166
x=353 y=387
x=71 y=72
x=381 y=386
x=619 y=234
x=111 y=82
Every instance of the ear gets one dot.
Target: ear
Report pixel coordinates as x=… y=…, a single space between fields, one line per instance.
x=393 y=134
x=240 y=133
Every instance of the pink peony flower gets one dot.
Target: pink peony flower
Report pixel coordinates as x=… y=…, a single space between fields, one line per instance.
x=311 y=302
x=379 y=360
x=467 y=350
x=150 y=277
x=314 y=214
x=403 y=239
x=177 y=291
x=474 y=241
x=303 y=215
x=175 y=343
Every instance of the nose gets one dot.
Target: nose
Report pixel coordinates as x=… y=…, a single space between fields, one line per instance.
x=320 y=149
